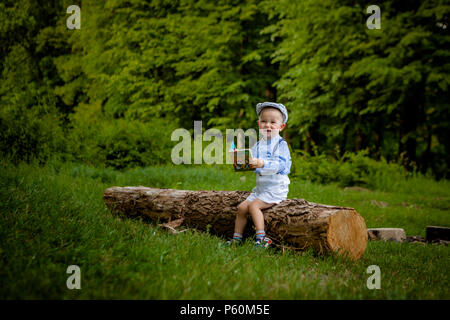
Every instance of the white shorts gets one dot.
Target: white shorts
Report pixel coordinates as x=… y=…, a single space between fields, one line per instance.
x=268 y=196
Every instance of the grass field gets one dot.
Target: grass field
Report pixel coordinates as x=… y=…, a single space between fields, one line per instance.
x=54 y=216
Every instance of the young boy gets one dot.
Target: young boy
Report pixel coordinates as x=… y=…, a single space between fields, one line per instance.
x=272 y=163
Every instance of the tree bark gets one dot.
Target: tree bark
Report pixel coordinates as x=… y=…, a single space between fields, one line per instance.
x=296 y=223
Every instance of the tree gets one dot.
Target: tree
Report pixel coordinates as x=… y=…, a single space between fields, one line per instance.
x=30 y=120
x=357 y=88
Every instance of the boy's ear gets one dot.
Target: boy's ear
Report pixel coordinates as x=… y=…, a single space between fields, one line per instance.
x=257 y=121
x=282 y=126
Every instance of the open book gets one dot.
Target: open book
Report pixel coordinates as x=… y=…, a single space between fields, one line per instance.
x=241 y=159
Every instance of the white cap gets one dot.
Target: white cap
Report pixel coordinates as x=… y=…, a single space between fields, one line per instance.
x=278 y=106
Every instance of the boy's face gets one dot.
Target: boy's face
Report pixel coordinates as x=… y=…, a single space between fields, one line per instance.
x=270 y=122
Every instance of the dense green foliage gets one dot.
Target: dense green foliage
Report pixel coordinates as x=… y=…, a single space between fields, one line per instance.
x=356 y=88
x=352 y=169
x=111 y=92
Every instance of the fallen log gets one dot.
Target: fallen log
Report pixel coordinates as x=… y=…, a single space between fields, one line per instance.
x=294 y=222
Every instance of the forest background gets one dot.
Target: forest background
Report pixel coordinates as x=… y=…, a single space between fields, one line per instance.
x=111 y=93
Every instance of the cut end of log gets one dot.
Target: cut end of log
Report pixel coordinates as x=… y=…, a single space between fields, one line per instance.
x=347 y=234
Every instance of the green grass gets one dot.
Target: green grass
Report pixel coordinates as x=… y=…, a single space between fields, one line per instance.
x=54 y=216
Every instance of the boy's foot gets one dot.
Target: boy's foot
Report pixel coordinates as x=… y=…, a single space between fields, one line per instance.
x=233 y=242
x=264 y=243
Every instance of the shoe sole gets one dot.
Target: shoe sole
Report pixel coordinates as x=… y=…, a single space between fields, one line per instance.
x=265 y=245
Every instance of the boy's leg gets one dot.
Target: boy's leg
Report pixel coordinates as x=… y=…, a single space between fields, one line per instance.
x=239 y=223
x=241 y=217
x=258 y=220
x=255 y=208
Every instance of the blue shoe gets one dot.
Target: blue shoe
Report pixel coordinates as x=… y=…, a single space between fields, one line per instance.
x=233 y=242
x=264 y=243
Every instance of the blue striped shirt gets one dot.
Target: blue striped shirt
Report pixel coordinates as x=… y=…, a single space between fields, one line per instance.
x=277 y=162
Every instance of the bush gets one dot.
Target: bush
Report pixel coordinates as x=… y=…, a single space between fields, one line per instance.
x=126 y=144
x=352 y=169
x=28 y=134
x=122 y=143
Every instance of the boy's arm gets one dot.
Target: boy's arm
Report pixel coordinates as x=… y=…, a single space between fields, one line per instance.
x=277 y=163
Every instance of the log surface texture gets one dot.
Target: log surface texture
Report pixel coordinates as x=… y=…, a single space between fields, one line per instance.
x=296 y=223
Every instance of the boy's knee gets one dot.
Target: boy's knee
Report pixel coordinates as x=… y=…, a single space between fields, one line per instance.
x=258 y=206
x=253 y=206
x=243 y=208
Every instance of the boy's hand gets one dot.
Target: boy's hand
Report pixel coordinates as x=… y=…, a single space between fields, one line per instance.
x=256 y=163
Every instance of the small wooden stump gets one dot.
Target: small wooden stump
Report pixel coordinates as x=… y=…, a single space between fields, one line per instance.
x=387 y=234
